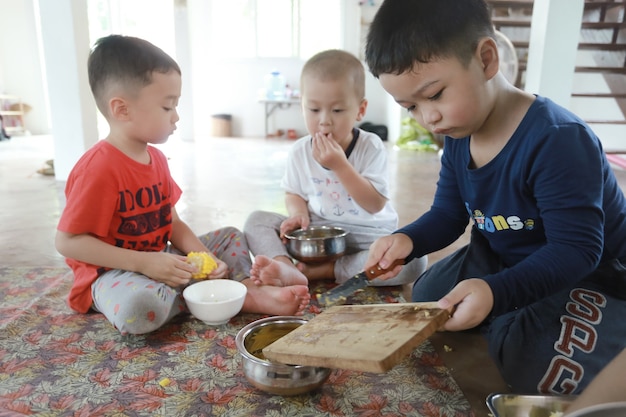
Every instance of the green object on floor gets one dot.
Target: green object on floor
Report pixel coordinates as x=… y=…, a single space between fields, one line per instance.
x=414 y=137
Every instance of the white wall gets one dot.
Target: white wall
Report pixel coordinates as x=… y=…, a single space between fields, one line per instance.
x=20 y=61
x=217 y=86
x=231 y=87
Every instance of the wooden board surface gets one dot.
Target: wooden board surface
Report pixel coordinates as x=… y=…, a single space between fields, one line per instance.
x=369 y=338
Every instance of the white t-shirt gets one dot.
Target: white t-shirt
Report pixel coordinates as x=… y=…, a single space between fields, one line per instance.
x=327 y=197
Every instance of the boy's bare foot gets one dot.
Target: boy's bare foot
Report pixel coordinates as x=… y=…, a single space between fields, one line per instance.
x=277 y=301
x=317 y=271
x=268 y=271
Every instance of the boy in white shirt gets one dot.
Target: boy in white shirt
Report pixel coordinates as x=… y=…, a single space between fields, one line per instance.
x=335 y=176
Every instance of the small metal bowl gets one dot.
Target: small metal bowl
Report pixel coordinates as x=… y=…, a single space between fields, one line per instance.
x=273 y=377
x=317 y=244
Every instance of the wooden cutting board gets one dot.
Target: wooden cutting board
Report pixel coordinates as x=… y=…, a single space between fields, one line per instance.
x=369 y=338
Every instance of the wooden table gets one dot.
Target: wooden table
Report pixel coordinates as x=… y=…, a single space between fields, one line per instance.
x=272 y=104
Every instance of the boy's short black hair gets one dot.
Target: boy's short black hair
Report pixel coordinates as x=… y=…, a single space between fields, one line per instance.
x=404 y=32
x=126 y=61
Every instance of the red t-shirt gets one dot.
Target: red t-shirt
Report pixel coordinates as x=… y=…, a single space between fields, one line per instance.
x=121 y=202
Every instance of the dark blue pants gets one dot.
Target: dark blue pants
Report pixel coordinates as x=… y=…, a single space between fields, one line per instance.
x=555 y=345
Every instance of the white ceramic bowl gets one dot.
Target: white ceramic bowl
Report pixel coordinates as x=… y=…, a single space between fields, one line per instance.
x=215 y=301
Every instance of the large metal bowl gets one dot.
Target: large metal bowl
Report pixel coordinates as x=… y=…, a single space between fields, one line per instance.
x=516 y=405
x=615 y=409
x=273 y=377
x=317 y=244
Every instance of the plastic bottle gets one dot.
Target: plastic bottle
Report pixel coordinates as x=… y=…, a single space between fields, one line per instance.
x=275 y=85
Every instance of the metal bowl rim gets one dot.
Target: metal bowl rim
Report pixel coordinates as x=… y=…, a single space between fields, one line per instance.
x=611 y=406
x=247 y=329
x=494 y=397
x=291 y=235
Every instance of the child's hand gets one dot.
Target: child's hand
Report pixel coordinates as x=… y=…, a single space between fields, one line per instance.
x=473 y=300
x=207 y=265
x=327 y=152
x=385 y=250
x=168 y=268
x=298 y=221
x=221 y=271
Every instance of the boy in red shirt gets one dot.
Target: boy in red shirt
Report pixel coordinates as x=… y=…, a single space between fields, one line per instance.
x=120 y=231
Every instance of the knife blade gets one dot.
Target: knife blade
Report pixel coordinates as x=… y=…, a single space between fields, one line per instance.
x=340 y=293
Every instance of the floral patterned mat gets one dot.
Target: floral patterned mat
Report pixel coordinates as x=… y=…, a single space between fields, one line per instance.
x=54 y=362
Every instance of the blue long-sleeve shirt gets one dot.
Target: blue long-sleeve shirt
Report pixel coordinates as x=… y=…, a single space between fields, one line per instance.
x=548 y=204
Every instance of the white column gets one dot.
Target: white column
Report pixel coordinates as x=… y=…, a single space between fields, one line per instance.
x=65 y=38
x=554 y=35
x=183 y=57
x=201 y=63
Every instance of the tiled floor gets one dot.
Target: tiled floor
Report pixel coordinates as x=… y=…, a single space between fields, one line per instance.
x=223 y=180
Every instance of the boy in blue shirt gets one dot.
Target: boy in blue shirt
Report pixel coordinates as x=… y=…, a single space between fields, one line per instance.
x=544 y=275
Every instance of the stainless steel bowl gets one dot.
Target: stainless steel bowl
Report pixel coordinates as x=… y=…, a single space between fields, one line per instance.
x=317 y=244
x=616 y=409
x=515 y=405
x=273 y=377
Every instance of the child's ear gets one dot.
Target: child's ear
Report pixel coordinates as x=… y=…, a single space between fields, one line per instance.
x=118 y=108
x=489 y=57
x=362 y=107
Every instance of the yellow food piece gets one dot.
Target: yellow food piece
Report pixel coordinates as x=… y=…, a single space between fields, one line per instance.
x=539 y=411
x=164 y=382
x=204 y=263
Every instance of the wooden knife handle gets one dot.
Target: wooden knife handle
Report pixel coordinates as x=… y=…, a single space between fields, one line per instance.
x=377 y=270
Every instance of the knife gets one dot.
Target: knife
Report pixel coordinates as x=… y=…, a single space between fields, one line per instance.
x=339 y=294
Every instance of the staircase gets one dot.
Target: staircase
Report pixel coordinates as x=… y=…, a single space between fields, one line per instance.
x=600 y=72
